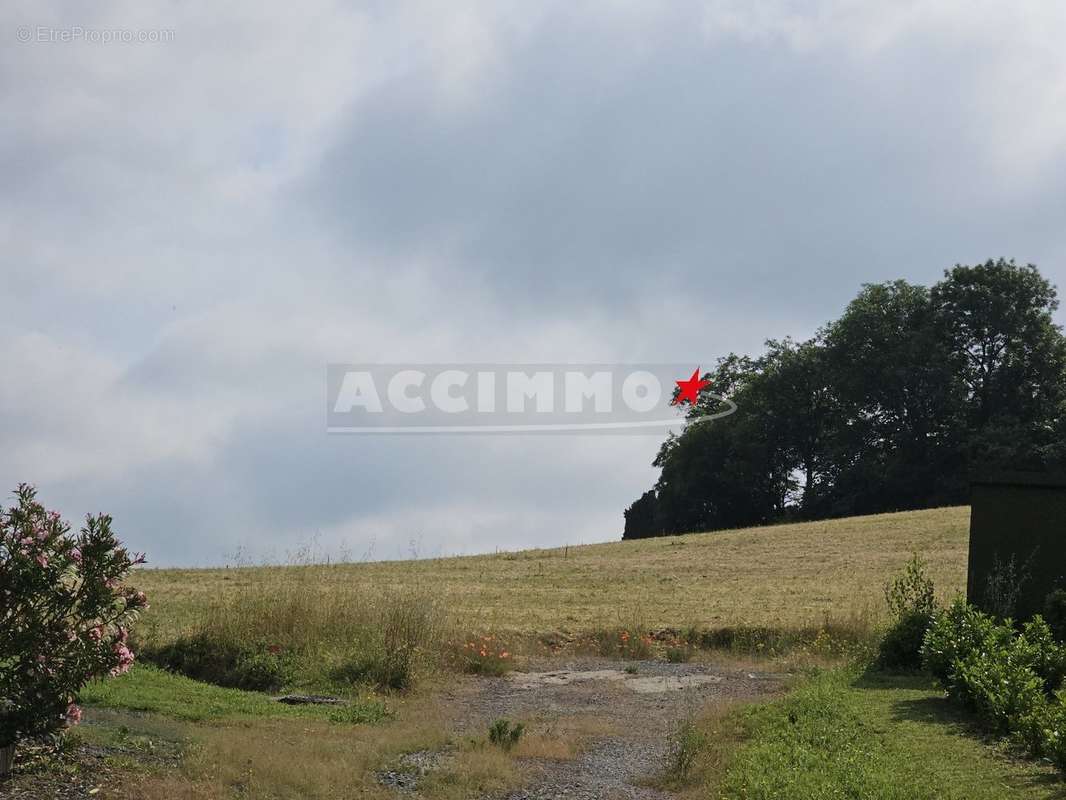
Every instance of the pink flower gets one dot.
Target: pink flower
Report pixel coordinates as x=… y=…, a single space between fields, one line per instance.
x=42 y=560
x=96 y=634
x=73 y=715
x=75 y=553
x=125 y=659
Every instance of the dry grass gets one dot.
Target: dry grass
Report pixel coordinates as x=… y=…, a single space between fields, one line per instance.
x=722 y=733
x=785 y=575
x=561 y=738
x=312 y=760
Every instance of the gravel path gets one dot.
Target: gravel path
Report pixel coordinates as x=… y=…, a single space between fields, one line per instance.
x=644 y=708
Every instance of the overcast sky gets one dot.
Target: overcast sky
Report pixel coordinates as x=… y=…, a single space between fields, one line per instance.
x=192 y=229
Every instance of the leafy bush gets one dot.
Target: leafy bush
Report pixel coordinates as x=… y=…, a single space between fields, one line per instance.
x=954 y=634
x=505 y=734
x=999 y=688
x=911 y=592
x=901 y=647
x=1012 y=680
x=911 y=601
x=1055 y=613
x=65 y=614
x=1038 y=649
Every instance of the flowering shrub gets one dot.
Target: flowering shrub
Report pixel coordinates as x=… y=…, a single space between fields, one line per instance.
x=65 y=614
x=484 y=655
x=623 y=643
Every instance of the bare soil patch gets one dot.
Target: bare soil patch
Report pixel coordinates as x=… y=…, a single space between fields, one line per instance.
x=640 y=710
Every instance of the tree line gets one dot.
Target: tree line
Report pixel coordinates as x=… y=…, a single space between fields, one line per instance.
x=893 y=406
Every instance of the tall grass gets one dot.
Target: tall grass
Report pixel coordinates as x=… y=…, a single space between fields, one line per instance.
x=301 y=627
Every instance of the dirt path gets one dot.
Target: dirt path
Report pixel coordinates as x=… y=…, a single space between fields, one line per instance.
x=632 y=717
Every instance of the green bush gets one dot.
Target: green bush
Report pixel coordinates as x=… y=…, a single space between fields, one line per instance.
x=911 y=592
x=1038 y=648
x=1055 y=613
x=901 y=647
x=1010 y=679
x=911 y=600
x=953 y=635
x=999 y=688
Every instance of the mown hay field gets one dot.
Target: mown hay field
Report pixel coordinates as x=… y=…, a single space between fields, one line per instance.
x=781 y=576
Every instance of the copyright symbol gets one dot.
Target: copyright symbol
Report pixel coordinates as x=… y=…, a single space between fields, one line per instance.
x=24 y=33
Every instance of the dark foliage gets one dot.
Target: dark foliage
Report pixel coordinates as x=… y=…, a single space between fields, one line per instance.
x=1055 y=613
x=901 y=647
x=640 y=518
x=260 y=668
x=890 y=407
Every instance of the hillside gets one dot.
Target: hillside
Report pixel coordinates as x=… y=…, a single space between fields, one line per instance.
x=781 y=575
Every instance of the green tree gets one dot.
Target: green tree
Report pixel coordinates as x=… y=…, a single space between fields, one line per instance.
x=995 y=322
x=892 y=406
x=892 y=444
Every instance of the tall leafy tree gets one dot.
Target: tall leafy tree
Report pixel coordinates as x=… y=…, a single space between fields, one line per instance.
x=894 y=405
x=995 y=321
x=892 y=445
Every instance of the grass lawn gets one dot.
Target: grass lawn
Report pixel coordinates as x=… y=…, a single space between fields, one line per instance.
x=784 y=575
x=848 y=735
x=147 y=688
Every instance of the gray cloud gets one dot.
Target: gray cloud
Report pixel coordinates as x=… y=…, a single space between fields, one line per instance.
x=192 y=230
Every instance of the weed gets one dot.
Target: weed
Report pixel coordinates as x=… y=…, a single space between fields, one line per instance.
x=688 y=743
x=505 y=734
x=631 y=642
x=1004 y=583
x=484 y=655
x=678 y=655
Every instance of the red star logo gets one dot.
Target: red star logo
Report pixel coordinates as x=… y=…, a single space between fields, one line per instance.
x=690 y=389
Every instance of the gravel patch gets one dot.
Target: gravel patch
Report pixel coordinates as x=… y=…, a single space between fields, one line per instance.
x=645 y=706
x=411 y=768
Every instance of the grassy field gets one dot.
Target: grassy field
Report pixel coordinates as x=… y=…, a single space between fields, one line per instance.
x=840 y=733
x=847 y=733
x=785 y=575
